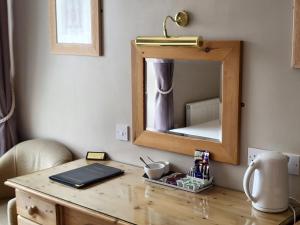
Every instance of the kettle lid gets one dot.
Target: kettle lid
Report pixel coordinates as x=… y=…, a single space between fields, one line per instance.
x=272 y=155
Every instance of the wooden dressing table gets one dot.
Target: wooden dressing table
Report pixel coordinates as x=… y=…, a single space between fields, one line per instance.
x=128 y=199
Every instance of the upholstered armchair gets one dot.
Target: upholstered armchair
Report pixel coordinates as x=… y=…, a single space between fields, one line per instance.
x=26 y=157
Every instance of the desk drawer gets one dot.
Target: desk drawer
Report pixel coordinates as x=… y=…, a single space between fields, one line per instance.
x=36 y=209
x=24 y=221
x=74 y=217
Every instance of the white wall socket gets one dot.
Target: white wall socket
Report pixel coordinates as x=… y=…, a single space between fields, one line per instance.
x=293 y=165
x=122 y=132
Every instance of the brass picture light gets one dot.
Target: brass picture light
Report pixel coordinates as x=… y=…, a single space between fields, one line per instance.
x=182 y=20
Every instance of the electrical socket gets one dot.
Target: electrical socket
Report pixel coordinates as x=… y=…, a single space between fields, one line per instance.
x=253 y=152
x=294 y=161
x=122 y=132
x=293 y=165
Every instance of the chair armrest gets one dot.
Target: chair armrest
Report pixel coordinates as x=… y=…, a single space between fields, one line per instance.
x=7 y=171
x=12 y=212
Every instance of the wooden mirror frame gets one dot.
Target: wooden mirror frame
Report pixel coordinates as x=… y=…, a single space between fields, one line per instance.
x=229 y=53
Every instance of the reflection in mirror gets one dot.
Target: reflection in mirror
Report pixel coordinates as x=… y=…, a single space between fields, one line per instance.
x=184 y=97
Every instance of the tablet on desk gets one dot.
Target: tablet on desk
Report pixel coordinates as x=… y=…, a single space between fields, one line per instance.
x=86 y=175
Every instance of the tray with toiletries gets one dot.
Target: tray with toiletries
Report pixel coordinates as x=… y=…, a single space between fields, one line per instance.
x=182 y=181
x=197 y=180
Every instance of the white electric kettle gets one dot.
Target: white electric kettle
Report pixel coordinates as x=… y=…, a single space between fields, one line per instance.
x=270 y=184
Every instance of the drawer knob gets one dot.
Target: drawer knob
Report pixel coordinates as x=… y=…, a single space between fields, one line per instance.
x=32 y=210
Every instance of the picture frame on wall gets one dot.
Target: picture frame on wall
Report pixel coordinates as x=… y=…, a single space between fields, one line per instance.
x=75 y=27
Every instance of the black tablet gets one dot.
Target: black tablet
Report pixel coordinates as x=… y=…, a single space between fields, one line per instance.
x=86 y=175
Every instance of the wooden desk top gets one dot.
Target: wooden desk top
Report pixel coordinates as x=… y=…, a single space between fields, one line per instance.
x=133 y=200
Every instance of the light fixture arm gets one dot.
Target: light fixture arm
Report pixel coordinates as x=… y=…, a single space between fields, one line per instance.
x=181 y=19
x=165 y=25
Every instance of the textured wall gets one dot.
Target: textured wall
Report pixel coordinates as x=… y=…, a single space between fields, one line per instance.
x=78 y=100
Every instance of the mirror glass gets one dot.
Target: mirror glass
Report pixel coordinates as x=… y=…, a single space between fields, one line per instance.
x=184 y=97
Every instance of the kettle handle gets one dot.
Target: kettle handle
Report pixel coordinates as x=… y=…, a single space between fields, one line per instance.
x=246 y=181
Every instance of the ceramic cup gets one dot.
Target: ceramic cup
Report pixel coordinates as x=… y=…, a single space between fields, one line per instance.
x=155 y=171
x=167 y=166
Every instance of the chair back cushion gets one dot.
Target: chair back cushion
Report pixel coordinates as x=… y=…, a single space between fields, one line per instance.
x=28 y=157
x=39 y=154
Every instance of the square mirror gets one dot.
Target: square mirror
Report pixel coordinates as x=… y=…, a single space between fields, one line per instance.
x=184 y=97
x=187 y=98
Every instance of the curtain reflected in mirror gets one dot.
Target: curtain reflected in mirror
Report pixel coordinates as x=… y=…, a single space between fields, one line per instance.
x=184 y=97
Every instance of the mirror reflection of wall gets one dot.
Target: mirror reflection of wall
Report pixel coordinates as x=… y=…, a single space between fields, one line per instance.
x=184 y=97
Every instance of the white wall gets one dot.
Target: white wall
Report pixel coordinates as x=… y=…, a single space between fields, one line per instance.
x=78 y=100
